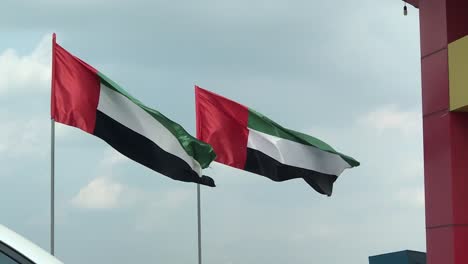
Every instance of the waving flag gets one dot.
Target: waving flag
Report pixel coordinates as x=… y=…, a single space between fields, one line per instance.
x=245 y=139
x=85 y=98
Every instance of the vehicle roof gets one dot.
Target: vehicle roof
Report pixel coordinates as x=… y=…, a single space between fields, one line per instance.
x=26 y=247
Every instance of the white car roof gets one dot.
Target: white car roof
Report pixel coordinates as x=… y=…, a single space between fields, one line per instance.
x=26 y=247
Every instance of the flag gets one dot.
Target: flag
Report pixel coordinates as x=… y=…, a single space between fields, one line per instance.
x=85 y=98
x=247 y=140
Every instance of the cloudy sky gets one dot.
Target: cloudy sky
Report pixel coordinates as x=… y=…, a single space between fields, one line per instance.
x=347 y=72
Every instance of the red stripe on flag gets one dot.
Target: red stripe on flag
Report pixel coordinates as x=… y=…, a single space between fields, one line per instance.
x=222 y=123
x=75 y=91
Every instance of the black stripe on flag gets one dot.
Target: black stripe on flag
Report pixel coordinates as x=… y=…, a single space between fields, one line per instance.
x=145 y=151
x=262 y=164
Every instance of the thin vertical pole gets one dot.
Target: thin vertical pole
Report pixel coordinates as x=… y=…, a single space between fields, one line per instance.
x=52 y=152
x=199 y=136
x=199 y=225
x=52 y=186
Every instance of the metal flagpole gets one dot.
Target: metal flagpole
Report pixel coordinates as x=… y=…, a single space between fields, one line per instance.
x=52 y=185
x=198 y=195
x=199 y=225
x=52 y=156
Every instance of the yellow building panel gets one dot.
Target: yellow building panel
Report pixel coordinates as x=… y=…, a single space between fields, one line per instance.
x=458 y=74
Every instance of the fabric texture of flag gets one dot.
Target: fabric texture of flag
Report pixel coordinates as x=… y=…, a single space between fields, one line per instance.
x=85 y=98
x=245 y=139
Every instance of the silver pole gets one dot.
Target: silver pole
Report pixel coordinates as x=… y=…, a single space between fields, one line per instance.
x=199 y=224
x=52 y=186
x=52 y=152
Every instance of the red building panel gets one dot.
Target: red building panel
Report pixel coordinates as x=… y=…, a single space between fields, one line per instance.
x=435 y=82
x=433 y=25
x=440 y=246
x=460 y=245
x=457 y=19
x=415 y=3
x=437 y=168
x=459 y=168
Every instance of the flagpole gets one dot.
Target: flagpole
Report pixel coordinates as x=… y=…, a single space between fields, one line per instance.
x=199 y=224
x=52 y=156
x=198 y=190
x=52 y=186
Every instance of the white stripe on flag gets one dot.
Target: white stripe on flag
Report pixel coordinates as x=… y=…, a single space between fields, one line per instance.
x=130 y=115
x=295 y=154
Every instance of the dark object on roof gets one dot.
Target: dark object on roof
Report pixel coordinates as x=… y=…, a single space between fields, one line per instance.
x=400 y=257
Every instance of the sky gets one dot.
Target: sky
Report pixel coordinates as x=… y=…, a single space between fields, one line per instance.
x=346 y=72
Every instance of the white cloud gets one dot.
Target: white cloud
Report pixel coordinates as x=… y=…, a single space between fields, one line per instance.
x=106 y=193
x=100 y=193
x=23 y=137
x=26 y=131
x=391 y=117
x=103 y=192
x=20 y=73
x=30 y=137
x=112 y=158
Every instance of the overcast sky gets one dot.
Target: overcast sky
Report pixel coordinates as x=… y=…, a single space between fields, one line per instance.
x=347 y=72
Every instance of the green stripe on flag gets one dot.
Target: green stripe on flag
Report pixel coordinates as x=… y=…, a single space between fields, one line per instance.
x=263 y=124
x=199 y=150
